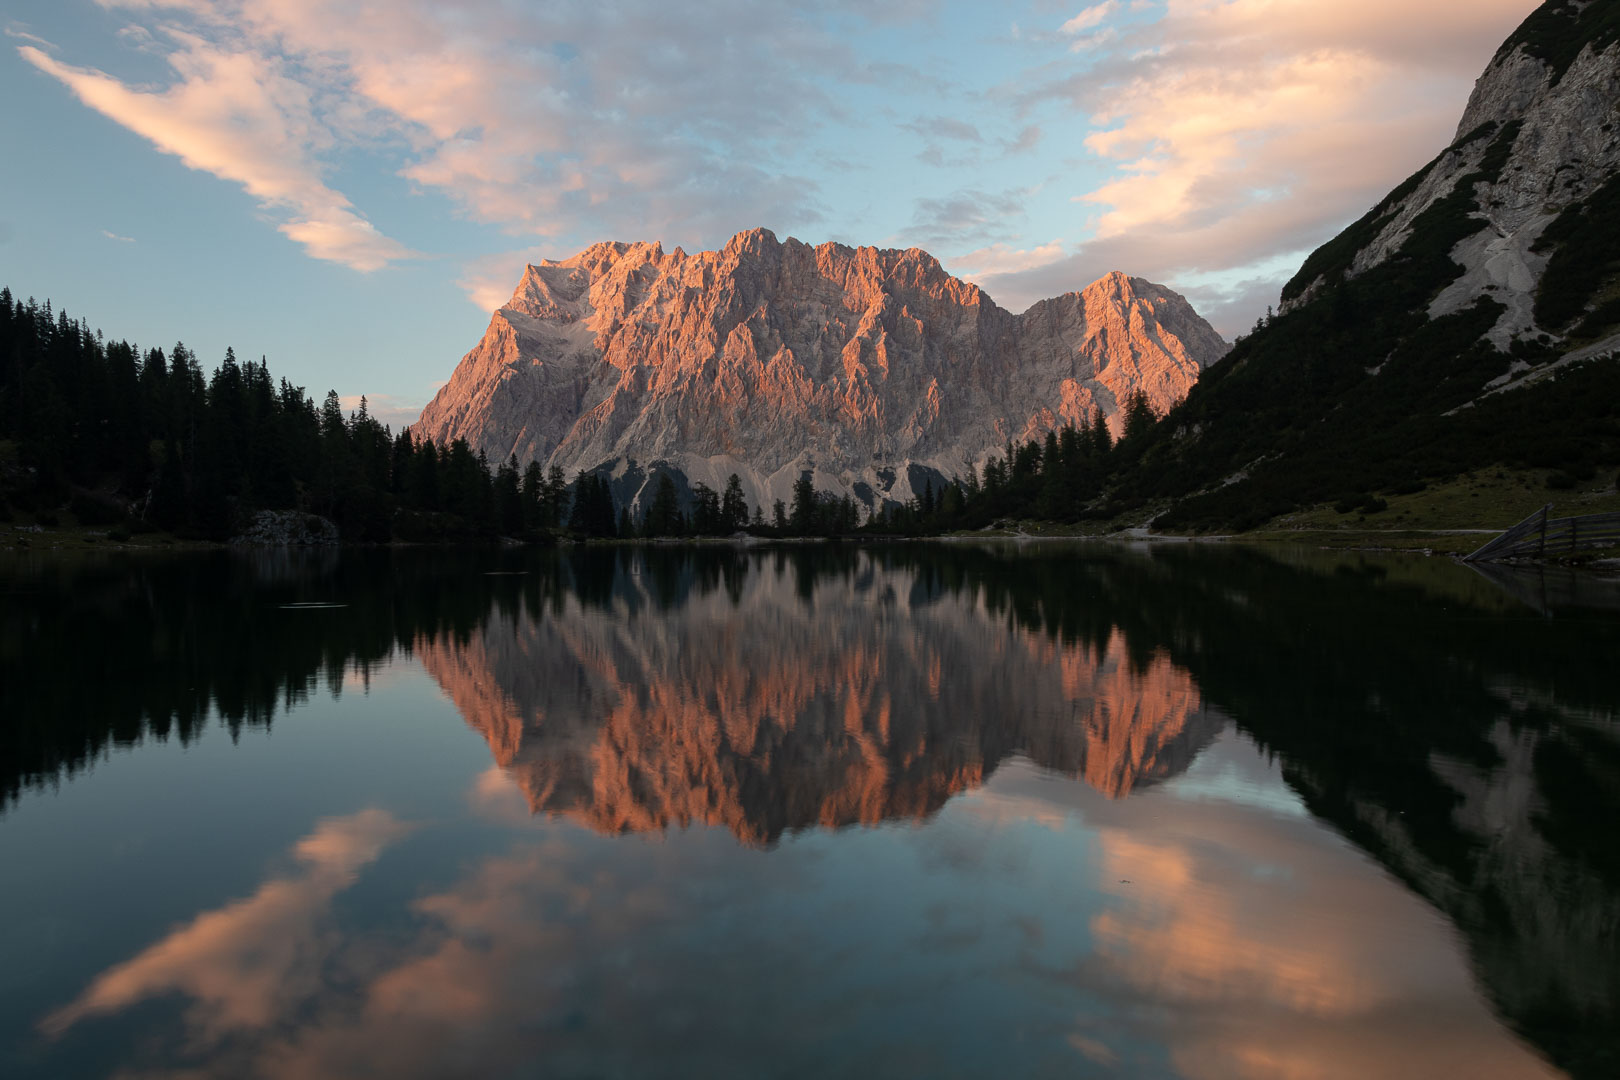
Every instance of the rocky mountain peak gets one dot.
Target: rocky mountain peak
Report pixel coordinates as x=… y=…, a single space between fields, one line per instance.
x=872 y=368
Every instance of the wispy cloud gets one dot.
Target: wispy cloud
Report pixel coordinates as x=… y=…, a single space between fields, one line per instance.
x=488 y=280
x=969 y=216
x=1090 y=18
x=114 y=236
x=1238 y=130
x=15 y=31
x=944 y=127
x=997 y=259
x=540 y=119
x=244 y=964
x=389 y=409
x=238 y=115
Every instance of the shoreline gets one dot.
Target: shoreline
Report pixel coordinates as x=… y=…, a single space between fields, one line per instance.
x=1445 y=543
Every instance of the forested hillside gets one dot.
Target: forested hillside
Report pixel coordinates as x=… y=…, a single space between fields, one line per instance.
x=103 y=433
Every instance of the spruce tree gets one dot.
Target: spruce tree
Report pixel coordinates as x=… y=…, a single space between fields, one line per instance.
x=804 y=505
x=733 y=506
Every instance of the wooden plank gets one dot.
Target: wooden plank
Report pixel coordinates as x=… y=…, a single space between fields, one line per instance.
x=1534 y=522
x=1537 y=534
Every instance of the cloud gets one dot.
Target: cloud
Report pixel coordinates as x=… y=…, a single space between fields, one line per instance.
x=114 y=236
x=1238 y=940
x=1090 y=18
x=969 y=216
x=1241 y=129
x=488 y=280
x=1002 y=259
x=246 y=964
x=539 y=119
x=1028 y=138
x=387 y=409
x=238 y=115
x=944 y=127
x=15 y=31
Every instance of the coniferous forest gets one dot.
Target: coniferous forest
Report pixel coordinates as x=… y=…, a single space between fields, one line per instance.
x=135 y=439
x=106 y=434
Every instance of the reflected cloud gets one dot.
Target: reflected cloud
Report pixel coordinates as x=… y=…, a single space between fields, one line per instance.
x=1214 y=941
x=1283 y=957
x=1394 y=829
x=246 y=965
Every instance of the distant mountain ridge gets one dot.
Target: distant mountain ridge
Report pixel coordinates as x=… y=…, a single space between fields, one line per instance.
x=874 y=369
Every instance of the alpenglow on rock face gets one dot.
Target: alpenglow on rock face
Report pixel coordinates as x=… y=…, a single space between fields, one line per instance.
x=873 y=369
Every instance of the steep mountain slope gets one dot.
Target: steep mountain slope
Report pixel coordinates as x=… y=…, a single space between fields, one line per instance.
x=872 y=368
x=1493 y=268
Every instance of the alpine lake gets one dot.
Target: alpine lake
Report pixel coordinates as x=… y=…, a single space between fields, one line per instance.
x=1052 y=809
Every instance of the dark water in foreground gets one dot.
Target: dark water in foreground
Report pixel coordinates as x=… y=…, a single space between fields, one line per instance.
x=935 y=811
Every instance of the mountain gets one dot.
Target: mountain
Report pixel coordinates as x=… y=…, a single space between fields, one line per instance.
x=783 y=701
x=872 y=368
x=1470 y=319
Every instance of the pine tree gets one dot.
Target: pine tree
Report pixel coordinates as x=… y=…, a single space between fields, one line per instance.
x=663 y=516
x=733 y=506
x=1139 y=417
x=804 y=505
x=534 y=497
x=1101 y=441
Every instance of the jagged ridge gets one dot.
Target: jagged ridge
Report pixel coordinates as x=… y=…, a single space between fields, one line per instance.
x=871 y=368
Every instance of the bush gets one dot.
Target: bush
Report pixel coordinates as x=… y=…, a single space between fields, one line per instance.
x=1561 y=480
x=1599 y=321
x=1367 y=504
x=119 y=534
x=1409 y=487
x=47 y=519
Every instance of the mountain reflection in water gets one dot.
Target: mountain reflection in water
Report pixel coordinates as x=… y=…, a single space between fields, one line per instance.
x=761 y=712
x=1210 y=928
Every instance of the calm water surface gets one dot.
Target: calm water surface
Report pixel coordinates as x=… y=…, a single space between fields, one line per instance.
x=943 y=810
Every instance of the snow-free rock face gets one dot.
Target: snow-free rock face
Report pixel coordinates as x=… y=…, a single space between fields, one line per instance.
x=1541 y=132
x=871 y=368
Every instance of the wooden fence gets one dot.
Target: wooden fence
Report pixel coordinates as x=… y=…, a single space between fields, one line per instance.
x=1540 y=536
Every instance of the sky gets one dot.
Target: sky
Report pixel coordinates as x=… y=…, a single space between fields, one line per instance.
x=349 y=187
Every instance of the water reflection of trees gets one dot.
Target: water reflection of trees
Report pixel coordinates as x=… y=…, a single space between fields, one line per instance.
x=1467 y=743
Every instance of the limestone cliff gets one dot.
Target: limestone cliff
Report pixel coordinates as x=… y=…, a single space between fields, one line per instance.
x=1540 y=135
x=871 y=368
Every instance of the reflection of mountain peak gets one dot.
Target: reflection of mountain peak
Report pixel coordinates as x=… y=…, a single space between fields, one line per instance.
x=763 y=713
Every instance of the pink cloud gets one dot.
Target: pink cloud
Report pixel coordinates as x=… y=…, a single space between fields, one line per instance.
x=545 y=118
x=1240 y=130
x=245 y=964
x=236 y=115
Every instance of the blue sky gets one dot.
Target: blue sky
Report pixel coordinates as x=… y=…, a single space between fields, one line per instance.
x=349 y=188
